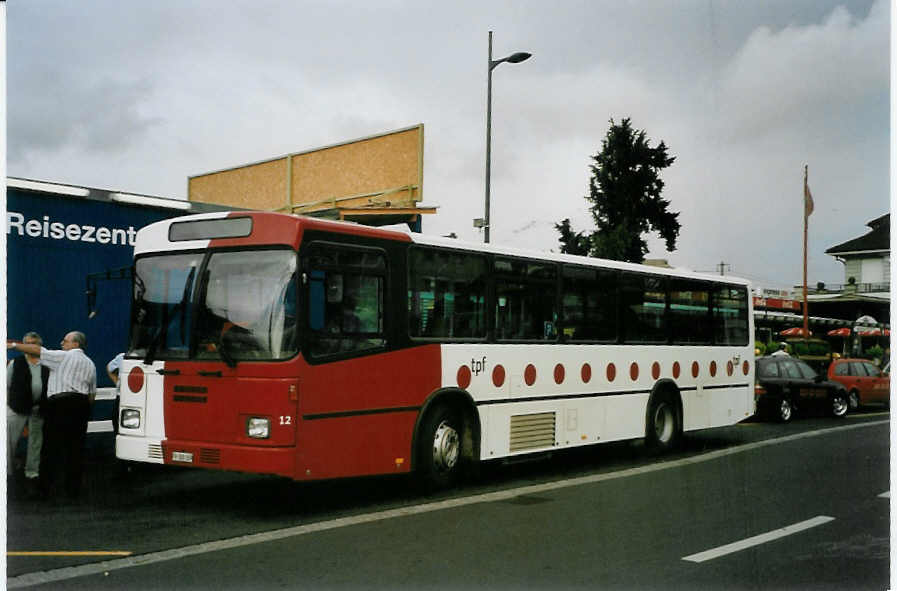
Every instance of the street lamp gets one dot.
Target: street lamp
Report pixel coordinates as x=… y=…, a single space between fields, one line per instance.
x=514 y=58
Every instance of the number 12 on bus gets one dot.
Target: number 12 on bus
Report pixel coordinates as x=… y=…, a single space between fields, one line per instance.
x=311 y=349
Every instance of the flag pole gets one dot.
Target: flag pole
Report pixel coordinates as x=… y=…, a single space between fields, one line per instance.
x=807 y=205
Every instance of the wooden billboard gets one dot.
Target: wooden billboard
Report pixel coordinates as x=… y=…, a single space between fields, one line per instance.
x=376 y=175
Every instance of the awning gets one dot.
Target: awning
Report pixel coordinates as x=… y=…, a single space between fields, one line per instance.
x=796 y=331
x=875 y=332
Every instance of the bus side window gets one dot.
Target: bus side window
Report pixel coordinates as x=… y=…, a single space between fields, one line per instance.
x=446 y=294
x=346 y=305
x=589 y=304
x=526 y=306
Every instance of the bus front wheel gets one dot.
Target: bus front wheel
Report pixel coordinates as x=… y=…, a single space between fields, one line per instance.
x=440 y=448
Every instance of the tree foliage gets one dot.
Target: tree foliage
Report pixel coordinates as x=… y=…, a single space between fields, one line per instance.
x=625 y=196
x=573 y=242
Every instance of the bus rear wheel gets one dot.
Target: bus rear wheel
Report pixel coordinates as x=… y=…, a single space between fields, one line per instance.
x=440 y=448
x=664 y=428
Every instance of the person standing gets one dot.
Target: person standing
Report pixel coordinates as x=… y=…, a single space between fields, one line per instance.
x=26 y=397
x=71 y=388
x=782 y=351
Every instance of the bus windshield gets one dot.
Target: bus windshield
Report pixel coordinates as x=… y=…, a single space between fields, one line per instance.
x=229 y=305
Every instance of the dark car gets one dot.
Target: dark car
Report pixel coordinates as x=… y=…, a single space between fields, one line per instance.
x=785 y=384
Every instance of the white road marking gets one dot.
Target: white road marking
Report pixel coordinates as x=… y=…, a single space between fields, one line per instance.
x=885 y=495
x=757 y=540
x=883 y=413
x=49 y=576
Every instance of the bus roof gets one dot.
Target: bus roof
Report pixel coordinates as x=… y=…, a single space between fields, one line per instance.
x=155 y=238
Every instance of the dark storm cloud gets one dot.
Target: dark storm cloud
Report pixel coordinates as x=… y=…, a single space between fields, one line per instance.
x=71 y=81
x=47 y=114
x=141 y=96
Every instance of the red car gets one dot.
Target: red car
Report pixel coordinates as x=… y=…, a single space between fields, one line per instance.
x=864 y=381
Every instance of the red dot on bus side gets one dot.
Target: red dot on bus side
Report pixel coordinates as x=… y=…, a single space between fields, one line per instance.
x=729 y=367
x=655 y=370
x=463 y=377
x=559 y=374
x=586 y=373
x=695 y=369
x=498 y=376
x=676 y=369
x=746 y=368
x=713 y=369
x=529 y=374
x=633 y=371
x=611 y=372
x=135 y=380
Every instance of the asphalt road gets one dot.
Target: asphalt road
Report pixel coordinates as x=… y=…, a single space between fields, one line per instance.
x=611 y=517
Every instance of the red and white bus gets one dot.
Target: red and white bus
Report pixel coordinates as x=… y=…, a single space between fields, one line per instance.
x=311 y=349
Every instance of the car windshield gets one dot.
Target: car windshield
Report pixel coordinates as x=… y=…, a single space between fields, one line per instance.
x=242 y=307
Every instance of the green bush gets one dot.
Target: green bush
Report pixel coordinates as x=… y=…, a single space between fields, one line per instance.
x=759 y=348
x=874 y=352
x=815 y=348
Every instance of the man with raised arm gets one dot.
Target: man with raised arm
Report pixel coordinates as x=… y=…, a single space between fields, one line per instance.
x=71 y=389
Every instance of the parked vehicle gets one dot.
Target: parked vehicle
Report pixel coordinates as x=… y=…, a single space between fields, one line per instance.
x=864 y=381
x=785 y=385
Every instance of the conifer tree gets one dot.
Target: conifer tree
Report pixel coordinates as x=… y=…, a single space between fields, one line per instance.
x=625 y=196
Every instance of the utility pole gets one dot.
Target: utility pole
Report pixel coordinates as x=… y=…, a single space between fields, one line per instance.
x=514 y=58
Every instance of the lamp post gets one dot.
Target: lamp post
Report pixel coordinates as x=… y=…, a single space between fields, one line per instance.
x=514 y=58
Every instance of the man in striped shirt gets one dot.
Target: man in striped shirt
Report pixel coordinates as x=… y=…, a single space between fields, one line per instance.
x=70 y=391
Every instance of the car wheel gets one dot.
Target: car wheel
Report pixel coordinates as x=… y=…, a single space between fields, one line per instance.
x=784 y=410
x=854 y=399
x=840 y=405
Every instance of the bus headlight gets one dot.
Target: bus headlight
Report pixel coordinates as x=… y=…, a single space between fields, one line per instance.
x=258 y=427
x=130 y=418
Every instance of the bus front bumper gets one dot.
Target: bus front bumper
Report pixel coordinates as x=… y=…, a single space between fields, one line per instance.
x=238 y=458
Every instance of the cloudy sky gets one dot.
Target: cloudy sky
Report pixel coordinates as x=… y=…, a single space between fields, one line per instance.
x=137 y=96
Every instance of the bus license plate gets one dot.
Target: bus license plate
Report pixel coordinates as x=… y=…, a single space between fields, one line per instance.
x=182 y=456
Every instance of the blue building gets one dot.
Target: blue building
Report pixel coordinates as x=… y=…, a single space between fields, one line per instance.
x=59 y=235
x=62 y=239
